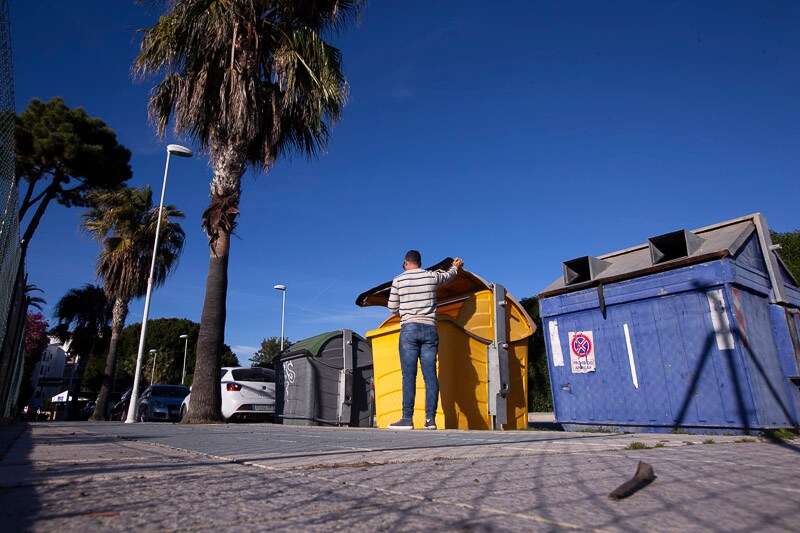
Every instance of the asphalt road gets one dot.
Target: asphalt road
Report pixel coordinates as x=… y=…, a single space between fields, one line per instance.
x=110 y=476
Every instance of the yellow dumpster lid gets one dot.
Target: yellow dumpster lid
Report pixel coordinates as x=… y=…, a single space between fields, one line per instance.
x=465 y=283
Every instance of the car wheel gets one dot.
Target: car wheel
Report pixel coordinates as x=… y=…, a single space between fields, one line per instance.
x=143 y=416
x=183 y=412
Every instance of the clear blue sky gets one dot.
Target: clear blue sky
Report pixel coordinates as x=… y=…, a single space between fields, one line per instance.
x=516 y=135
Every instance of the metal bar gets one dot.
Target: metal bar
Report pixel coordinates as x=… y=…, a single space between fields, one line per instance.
x=778 y=291
x=497 y=358
x=463 y=331
x=346 y=379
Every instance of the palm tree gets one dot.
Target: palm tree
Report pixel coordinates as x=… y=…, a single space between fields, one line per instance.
x=124 y=220
x=34 y=301
x=251 y=81
x=83 y=317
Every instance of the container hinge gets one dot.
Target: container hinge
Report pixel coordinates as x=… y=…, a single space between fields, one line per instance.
x=343 y=413
x=497 y=358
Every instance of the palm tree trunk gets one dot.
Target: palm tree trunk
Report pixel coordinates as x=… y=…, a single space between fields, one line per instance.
x=206 y=402
x=219 y=221
x=120 y=313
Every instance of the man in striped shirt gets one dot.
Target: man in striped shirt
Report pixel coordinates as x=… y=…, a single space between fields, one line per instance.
x=413 y=297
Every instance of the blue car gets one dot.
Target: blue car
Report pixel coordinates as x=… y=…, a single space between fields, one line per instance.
x=162 y=402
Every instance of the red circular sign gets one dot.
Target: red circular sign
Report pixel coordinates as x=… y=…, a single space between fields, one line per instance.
x=581 y=345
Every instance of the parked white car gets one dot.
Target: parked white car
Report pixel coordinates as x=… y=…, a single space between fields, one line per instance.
x=247 y=394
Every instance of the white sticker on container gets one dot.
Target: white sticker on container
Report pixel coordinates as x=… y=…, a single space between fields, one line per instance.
x=630 y=356
x=581 y=352
x=555 y=344
x=719 y=320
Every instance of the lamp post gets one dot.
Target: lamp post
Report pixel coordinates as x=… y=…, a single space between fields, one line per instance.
x=69 y=388
x=282 y=288
x=153 y=372
x=185 y=349
x=180 y=151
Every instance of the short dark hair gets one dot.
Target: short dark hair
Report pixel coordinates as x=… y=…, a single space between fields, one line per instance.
x=413 y=256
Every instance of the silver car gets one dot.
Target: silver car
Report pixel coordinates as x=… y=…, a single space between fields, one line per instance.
x=162 y=402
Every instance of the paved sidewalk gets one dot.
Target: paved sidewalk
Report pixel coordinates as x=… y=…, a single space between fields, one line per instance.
x=111 y=476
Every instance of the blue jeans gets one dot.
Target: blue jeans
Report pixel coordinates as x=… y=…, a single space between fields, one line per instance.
x=419 y=341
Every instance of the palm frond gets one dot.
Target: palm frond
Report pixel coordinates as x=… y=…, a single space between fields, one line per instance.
x=220 y=216
x=238 y=72
x=125 y=223
x=249 y=81
x=34 y=301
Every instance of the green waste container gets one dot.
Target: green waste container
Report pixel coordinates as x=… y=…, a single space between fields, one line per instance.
x=326 y=380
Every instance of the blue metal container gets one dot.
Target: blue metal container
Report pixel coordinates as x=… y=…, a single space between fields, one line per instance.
x=695 y=330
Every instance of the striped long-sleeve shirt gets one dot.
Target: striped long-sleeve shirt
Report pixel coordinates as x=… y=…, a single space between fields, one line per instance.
x=413 y=294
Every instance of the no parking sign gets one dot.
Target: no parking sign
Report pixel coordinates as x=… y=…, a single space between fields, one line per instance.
x=581 y=351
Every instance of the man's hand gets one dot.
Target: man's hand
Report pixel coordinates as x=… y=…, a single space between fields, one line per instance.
x=458 y=262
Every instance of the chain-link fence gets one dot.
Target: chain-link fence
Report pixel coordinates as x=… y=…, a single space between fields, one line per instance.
x=12 y=319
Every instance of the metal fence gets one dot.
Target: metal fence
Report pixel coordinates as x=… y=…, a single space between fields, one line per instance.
x=12 y=308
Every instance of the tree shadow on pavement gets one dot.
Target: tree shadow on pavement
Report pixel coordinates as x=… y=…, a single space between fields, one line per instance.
x=19 y=501
x=748 y=419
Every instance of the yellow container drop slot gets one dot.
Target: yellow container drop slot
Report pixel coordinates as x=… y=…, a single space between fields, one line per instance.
x=482 y=361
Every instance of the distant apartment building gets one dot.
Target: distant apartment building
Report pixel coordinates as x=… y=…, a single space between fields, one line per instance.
x=49 y=377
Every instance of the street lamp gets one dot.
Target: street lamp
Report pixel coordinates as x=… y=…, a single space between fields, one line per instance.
x=282 y=288
x=185 y=348
x=180 y=151
x=153 y=372
x=69 y=387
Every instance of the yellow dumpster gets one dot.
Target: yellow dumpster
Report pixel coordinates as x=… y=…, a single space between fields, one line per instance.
x=482 y=362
